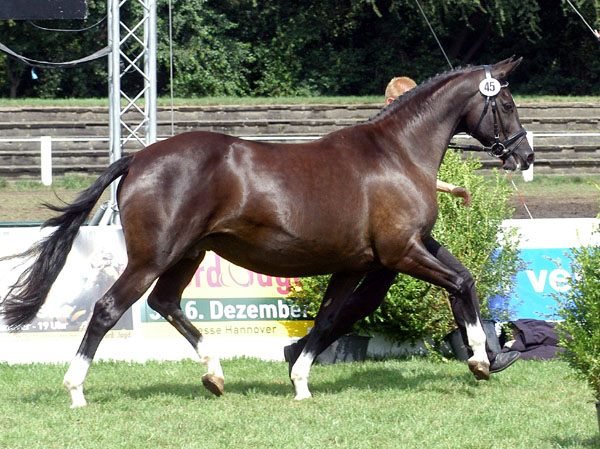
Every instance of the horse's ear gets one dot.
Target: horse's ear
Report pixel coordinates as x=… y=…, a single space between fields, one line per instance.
x=501 y=69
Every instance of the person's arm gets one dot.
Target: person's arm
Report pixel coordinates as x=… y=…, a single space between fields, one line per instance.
x=457 y=191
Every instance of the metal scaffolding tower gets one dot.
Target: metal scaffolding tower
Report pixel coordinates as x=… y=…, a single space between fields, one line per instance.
x=132 y=84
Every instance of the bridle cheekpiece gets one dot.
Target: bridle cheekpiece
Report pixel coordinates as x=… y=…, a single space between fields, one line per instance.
x=490 y=87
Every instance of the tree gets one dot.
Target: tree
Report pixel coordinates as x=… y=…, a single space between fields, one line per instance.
x=328 y=47
x=27 y=39
x=208 y=59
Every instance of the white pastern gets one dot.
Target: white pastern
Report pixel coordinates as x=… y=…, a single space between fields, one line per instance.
x=74 y=378
x=212 y=363
x=477 y=339
x=299 y=376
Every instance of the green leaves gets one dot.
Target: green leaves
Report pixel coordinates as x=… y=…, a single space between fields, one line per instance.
x=579 y=307
x=327 y=47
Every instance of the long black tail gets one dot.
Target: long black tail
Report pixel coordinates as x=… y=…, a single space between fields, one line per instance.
x=27 y=295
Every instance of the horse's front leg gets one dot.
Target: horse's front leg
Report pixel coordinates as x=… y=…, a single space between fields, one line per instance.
x=465 y=307
x=341 y=286
x=430 y=261
x=367 y=297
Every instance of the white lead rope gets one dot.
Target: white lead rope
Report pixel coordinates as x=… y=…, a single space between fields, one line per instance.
x=594 y=32
x=519 y=193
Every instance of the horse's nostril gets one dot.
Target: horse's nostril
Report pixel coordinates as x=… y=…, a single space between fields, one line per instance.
x=530 y=158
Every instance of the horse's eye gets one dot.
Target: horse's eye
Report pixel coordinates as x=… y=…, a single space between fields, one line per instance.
x=508 y=107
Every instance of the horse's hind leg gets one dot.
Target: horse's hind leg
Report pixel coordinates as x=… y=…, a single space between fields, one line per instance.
x=165 y=299
x=367 y=297
x=107 y=311
x=339 y=289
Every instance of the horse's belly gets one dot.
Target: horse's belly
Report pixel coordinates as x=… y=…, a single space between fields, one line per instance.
x=288 y=258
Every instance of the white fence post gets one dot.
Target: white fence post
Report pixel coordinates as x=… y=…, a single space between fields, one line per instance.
x=528 y=174
x=46 y=159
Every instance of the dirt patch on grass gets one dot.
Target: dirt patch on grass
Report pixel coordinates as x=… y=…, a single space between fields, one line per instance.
x=552 y=206
x=26 y=206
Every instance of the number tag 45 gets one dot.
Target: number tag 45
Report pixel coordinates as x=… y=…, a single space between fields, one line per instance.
x=489 y=87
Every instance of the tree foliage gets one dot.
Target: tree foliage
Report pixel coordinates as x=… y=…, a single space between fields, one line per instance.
x=328 y=47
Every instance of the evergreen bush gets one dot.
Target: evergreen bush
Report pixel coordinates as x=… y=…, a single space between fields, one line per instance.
x=579 y=307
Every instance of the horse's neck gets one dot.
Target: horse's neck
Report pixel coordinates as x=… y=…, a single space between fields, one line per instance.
x=425 y=128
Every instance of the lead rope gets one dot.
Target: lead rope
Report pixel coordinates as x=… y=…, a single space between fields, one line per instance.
x=594 y=32
x=486 y=100
x=519 y=193
x=434 y=35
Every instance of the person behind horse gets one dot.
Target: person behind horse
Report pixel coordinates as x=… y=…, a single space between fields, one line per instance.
x=371 y=292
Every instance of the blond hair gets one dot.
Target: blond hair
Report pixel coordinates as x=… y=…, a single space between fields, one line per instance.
x=399 y=85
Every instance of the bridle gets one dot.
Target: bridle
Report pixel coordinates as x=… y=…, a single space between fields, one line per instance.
x=498 y=148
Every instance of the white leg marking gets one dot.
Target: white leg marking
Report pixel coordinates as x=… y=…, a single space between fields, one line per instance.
x=477 y=339
x=212 y=363
x=73 y=380
x=299 y=376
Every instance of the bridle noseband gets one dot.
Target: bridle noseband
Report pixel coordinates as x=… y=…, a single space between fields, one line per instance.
x=498 y=148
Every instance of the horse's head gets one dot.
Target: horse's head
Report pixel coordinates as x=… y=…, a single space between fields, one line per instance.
x=492 y=117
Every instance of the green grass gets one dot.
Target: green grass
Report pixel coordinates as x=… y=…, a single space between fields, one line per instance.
x=67 y=182
x=206 y=101
x=551 y=185
x=378 y=404
x=200 y=101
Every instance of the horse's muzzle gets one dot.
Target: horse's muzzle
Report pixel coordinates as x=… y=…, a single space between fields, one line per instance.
x=527 y=161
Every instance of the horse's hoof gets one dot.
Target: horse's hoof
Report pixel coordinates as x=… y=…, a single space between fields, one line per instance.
x=214 y=384
x=481 y=370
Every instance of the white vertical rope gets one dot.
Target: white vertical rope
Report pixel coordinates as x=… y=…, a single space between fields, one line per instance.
x=594 y=32
x=171 y=68
x=434 y=35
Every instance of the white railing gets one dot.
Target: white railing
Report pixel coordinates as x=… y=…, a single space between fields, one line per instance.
x=45 y=143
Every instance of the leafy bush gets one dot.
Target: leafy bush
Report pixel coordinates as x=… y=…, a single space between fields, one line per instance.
x=414 y=309
x=579 y=307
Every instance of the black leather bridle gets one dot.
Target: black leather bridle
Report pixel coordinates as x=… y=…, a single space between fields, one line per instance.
x=498 y=148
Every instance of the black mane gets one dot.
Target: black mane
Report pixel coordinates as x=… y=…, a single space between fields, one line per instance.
x=425 y=85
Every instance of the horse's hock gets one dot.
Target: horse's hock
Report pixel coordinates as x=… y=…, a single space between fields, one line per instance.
x=567 y=135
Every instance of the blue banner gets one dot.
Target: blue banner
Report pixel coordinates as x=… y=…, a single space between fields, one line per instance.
x=547 y=273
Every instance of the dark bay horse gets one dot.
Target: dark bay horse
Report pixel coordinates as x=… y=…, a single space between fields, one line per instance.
x=357 y=200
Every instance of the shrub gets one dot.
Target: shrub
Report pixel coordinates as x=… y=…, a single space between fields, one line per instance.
x=579 y=307
x=414 y=309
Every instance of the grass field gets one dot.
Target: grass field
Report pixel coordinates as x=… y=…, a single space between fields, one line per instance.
x=414 y=403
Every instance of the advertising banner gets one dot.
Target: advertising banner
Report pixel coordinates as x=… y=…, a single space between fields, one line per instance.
x=225 y=300
x=222 y=299
x=94 y=263
x=238 y=311
x=545 y=246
